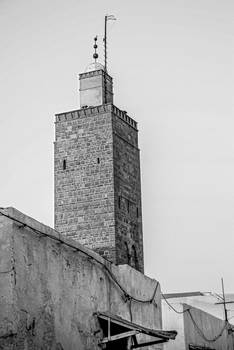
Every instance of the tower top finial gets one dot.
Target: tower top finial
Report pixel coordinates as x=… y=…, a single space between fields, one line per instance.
x=95 y=65
x=95 y=55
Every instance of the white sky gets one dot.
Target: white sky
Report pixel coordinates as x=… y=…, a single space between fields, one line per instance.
x=171 y=61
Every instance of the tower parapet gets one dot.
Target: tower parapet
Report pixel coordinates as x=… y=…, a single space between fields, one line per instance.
x=79 y=113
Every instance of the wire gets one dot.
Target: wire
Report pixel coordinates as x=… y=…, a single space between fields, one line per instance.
x=178 y=312
x=200 y=332
x=216 y=295
x=130 y=309
x=226 y=324
x=110 y=273
x=126 y=294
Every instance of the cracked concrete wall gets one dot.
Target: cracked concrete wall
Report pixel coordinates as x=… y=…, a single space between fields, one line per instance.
x=49 y=291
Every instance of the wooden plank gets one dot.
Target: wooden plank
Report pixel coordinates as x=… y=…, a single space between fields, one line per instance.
x=118 y=336
x=109 y=333
x=148 y=344
x=159 y=333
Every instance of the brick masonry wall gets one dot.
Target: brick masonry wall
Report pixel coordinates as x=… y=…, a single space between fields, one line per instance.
x=84 y=191
x=97 y=182
x=127 y=182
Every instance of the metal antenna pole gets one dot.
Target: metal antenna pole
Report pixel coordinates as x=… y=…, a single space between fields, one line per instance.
x=224 y=302
x=105 y=39
x=105 y=58
x=107 y=18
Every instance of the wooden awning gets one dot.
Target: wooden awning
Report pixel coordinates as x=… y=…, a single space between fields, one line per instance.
x=115 y=328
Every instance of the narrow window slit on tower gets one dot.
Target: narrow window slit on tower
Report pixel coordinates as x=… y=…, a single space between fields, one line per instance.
x=98 y=160
x=137 y=212
x=128 y=205
x=119 y=202
x=64 y=164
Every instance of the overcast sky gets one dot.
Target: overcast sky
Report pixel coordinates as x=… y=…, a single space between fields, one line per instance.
x=172 y=64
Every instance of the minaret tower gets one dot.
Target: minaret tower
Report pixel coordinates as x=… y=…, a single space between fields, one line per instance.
x=97 y=173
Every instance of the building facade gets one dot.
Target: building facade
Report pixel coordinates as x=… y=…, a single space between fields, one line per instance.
x=97 y=174
x=55 y=294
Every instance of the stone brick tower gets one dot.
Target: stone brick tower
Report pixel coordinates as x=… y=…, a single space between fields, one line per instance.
x=97 y=174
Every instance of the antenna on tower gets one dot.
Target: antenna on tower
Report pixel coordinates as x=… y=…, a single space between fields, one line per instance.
x=107 y=18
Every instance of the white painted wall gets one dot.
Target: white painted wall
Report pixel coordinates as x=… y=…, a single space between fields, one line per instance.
x=173 y=321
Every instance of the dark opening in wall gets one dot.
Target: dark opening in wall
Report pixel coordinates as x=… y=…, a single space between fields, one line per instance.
x=98 y=160
x=127 y=254
x=64 y=164
x=137 y=212
x=119 y=202
x=117 y=344
x=135 y=258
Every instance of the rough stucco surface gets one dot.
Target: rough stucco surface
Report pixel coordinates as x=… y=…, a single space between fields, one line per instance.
x=210 y=326
x=49 y=291
x=188 y=333
x=172 y=320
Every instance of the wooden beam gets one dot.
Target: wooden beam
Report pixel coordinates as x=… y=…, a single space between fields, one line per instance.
x=120 y=323
x=109 y=333
x=148 y=344
x=118 y=336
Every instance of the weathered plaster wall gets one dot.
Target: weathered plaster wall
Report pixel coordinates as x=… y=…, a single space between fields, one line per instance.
x=49 y=291
x=172 y=320
x=210 y=326
x=8 y=317
x=188 y=333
